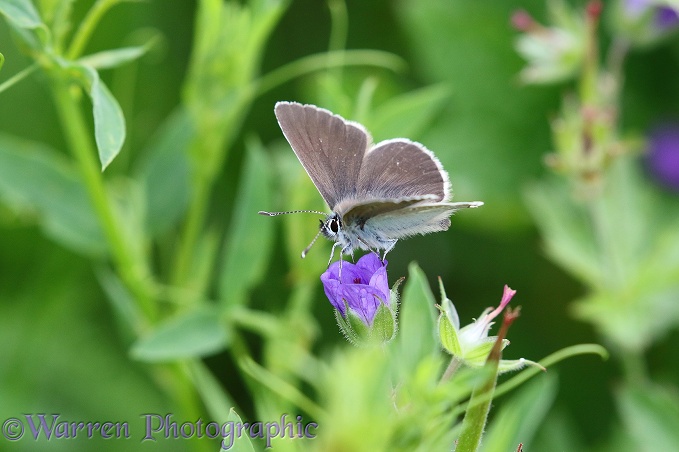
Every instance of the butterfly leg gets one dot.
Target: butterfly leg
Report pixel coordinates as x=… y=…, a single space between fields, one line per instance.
x=332 y=253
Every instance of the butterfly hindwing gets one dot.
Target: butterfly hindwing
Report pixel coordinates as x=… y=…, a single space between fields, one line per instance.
x=402 y=168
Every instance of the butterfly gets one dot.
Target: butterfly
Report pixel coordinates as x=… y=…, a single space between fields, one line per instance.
x=378 y=194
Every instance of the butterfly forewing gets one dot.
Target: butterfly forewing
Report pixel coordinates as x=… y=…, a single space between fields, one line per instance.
x=330 y=149
x=401 y=168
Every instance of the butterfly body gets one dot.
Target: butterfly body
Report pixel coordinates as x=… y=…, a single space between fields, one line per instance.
x=379 y=193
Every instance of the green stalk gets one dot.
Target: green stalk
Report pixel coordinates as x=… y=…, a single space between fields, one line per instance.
x=590 y=72
x=79 y=140
x=195 y=218
x=475 y=418
x=324 y=61
x=451 y=369
x=18 y=76
x=87 y=27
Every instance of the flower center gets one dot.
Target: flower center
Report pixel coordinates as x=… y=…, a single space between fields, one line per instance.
x=357 y=280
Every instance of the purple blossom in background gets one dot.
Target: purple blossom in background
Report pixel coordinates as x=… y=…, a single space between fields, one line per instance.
x=363 y=286
x=665 y=17
x=663 y=155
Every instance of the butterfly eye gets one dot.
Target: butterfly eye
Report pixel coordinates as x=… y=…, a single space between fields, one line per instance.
x=334 y=225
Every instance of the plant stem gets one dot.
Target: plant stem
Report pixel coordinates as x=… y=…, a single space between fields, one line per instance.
x=451 y=369
x=475 y=418
x=79 y=139
x=87 y=26
x=18 y=77
x=324 y=61
x=192 y=227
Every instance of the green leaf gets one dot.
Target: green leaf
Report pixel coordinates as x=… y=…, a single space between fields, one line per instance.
x=492 y=129
x=192 y=334
x=229 y=40
x=651 y=415
x=566 y=230
x=109 y=122
x=21 y=12
x=86 y=367
x=299 y=229
x=113 y=58
x=250 y=237
x=519 y=418
x=409 y=114
x=36 y=179
x=234 y=441
x=164 y=173
x=417 y=326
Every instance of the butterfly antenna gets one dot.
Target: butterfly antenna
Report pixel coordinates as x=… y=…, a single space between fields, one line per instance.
x=306 y=250
x=274 y=214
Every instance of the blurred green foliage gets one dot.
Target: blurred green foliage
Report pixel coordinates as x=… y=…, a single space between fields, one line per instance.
x=153 y=286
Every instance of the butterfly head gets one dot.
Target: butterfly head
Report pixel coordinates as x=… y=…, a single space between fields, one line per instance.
x=332 y=226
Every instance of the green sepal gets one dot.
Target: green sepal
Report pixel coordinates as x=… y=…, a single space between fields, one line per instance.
x=447 y=328
x=360 y=329
x=344 y=325
x=384 y=325
x=448 y=336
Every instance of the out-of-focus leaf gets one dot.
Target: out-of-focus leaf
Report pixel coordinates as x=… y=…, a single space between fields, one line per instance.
x=35 y=178
x=236 y=442
x=112 y=58
x=109 y=122
x=520 y=417
x=88 y=369
x=164 y=173
x=249 y=241
x=407 y=115
x=416 y=338
x=192 y=334
x=623 y=244
x=21 y=12
x=57 y=15
x=566 y=230
x=493 y=132
x=229 y=35
x=651 y=414
x=298 y=192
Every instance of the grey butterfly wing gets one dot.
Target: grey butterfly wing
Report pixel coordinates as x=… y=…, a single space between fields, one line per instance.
x=359 y=213
x=402 y=168
x=419 y=218
x=330 y=149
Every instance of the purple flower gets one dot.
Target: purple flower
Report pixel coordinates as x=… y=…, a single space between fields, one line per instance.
x=663 y=155
x=665 y=17
x=362 y=288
